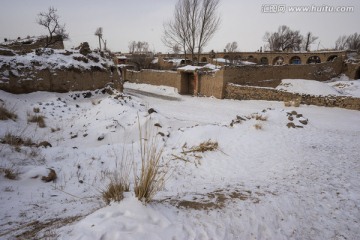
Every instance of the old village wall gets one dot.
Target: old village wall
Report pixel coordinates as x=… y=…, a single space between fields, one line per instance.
x=154 y=77
x=59 y=71
x=270 y=76
x=234 y=91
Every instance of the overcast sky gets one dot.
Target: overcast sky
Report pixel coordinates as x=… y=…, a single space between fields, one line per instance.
x=142 y=20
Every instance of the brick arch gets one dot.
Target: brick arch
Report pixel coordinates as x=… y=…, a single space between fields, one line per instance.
x=313 y=59
x=331 y=58
x=204 y=59
x=279 y=60
x=226 y=57
x=295 y=60
x=264 y=61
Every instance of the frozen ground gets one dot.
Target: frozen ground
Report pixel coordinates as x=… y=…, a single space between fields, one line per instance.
x=268 y=183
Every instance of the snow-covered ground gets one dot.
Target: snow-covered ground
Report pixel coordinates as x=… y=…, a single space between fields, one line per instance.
x=340 y=86
x=269 y=183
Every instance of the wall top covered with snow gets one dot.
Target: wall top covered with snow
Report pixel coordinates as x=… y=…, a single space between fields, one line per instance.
x=31 y=43
x=46 y=69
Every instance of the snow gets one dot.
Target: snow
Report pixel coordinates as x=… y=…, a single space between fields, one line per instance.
x=54 y=59
x=189 y=68
x=340 y=86
x=273 y=183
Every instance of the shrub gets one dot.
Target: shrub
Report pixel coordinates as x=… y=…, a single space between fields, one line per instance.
x=119 y=183
x=36 y=110
x=16 y=141
x=10 y=173
x=152 y=175
x=39 y=119
x=6 y=114
x=115 y=190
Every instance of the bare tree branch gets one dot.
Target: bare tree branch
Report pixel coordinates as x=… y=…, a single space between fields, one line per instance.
x=50 y=20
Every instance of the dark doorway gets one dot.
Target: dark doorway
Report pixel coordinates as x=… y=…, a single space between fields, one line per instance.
x=357 y=74
x=187 y=83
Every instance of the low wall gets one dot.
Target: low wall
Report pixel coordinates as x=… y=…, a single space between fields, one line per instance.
x=271 y=76
x=268 y=94
x=211 y=84
x=56 y=71
x=154 y=77
x=61 y=81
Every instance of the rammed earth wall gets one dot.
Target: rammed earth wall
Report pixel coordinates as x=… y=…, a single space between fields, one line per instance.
x=56 y=71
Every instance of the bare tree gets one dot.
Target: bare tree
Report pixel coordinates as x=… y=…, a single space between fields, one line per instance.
x=176 y=49
x=208 y=24
x=231 y=47
x=140 y=54
x=195 y=23
x=341 y=43
x=99 y=34
x=132 y=46
x=50 y=20
x=176 y=32
x=351 y=42
x=308 y=40
x=284 y=39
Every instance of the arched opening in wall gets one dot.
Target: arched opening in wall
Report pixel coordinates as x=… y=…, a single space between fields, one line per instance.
x=295 y=60
x=204 y=59
x=278 y=60
x=237 y=59
x=264 y=61
x=357 y=74
x=332 y=58
x=251 y=59
x=226 y=57
x=313 y=60
x=195 y=59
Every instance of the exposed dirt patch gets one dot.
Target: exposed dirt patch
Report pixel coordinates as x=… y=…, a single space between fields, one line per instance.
x=32 y=229
x=216 y=199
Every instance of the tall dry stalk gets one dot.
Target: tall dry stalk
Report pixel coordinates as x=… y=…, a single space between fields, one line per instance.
x=152 y=175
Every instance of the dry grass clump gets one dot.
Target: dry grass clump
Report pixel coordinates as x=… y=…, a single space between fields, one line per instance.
x=10 y=173
x=116 y=188
x=16 y=141
x=6 y=114
x=258 y=126
x=36 y=110
x=152 y=176
x=119 y=183
x=52 y=176
x=208 y=145
x=39 y=119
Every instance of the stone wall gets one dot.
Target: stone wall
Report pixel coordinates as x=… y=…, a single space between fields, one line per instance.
x=154 y=77
x=269 y=94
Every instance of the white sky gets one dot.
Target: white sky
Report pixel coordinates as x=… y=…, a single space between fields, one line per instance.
x=142 y=20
